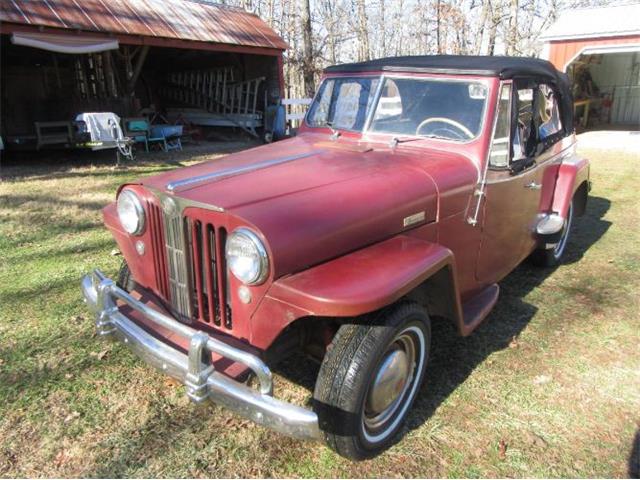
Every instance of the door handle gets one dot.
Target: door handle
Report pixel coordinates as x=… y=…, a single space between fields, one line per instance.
x=533 y=186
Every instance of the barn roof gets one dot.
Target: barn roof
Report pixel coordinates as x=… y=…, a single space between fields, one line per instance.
x=596 y=22
x=194 y=20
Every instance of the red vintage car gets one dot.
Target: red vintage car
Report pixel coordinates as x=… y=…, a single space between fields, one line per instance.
x=414 y=186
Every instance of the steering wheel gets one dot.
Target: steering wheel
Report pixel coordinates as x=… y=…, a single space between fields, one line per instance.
x=461 y=128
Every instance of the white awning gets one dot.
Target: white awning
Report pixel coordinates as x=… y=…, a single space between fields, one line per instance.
x=64 y=43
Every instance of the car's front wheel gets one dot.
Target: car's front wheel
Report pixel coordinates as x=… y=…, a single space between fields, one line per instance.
x=369 y=378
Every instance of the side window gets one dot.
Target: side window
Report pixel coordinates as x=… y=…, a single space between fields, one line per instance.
x=499 y=155
x=548 y=113
x=524 y=137
x=319 y=113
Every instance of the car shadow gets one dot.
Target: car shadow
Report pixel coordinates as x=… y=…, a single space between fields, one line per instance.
x=453 y=358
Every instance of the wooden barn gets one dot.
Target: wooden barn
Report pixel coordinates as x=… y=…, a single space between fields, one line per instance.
x=180 y=60
x=599 y=48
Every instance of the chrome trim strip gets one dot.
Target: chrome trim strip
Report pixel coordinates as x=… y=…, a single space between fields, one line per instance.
x=232 y=172
x=195 y=368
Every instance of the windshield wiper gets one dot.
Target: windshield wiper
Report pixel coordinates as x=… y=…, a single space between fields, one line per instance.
x=395 y=140
x=431 y=135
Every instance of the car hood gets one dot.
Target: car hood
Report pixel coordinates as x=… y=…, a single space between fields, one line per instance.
x=313 y=199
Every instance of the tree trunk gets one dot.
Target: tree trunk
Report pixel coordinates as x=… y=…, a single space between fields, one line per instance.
x=363 y=33
x=438 y=19
x=271 y=16
x=495 y=20
x=383 y=31
x=513 y=28
x=397 y=28
x=307 y=50
x=481 y=25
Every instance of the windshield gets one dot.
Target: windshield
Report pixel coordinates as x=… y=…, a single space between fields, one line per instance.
x=424 y=107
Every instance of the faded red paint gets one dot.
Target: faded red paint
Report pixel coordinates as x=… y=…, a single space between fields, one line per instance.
x=332 y=221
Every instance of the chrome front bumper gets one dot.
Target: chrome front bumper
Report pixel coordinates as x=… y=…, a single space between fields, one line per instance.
x=195 y=368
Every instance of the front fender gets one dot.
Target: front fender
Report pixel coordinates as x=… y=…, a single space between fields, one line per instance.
x=357 y=283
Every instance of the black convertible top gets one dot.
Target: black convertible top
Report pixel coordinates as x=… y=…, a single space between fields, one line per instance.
x=490 y=66
x=500 y=66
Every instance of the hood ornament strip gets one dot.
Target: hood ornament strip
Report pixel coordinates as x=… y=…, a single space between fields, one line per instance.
x=231 y=172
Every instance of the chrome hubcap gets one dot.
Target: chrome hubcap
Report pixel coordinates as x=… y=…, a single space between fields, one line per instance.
x=390 y=382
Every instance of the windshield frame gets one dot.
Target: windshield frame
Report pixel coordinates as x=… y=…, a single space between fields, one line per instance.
x=383 y=77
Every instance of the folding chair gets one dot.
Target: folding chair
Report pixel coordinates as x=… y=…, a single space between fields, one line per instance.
x=139 y=129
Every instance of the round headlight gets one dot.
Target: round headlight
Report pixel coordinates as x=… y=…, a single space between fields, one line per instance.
x=130 y=212
x=246 y=257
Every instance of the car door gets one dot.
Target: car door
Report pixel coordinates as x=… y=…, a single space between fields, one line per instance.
x=513 y=185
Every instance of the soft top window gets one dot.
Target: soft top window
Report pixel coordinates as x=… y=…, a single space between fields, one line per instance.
x=548 y=112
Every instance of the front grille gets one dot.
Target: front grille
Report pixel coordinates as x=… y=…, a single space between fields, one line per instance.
x=190 y=266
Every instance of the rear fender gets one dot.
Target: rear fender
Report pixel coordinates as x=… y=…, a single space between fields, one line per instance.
x=361 y=282
x=573 y=178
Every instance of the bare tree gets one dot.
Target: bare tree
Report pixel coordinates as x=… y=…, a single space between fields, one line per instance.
x=323 y=32
x=438 y=24
x=496 y=17
x=364 y=52
x=307 y=48
x=481 y=26
x=512 y=35
x=382 y=30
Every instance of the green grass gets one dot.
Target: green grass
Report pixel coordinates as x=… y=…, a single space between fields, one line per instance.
x=549 y=386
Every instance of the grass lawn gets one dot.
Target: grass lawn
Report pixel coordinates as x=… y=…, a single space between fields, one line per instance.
x=549 y=386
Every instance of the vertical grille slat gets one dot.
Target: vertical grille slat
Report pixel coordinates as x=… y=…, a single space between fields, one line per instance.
x=196 y=248
x=211 y=273
x=157 y=244
x=225 y=311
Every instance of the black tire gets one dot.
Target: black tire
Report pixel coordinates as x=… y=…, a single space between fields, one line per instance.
x=398 y=338
x=550 y=257
x=125 y=280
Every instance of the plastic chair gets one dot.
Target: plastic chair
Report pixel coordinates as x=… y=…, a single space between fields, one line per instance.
x=140 y=130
